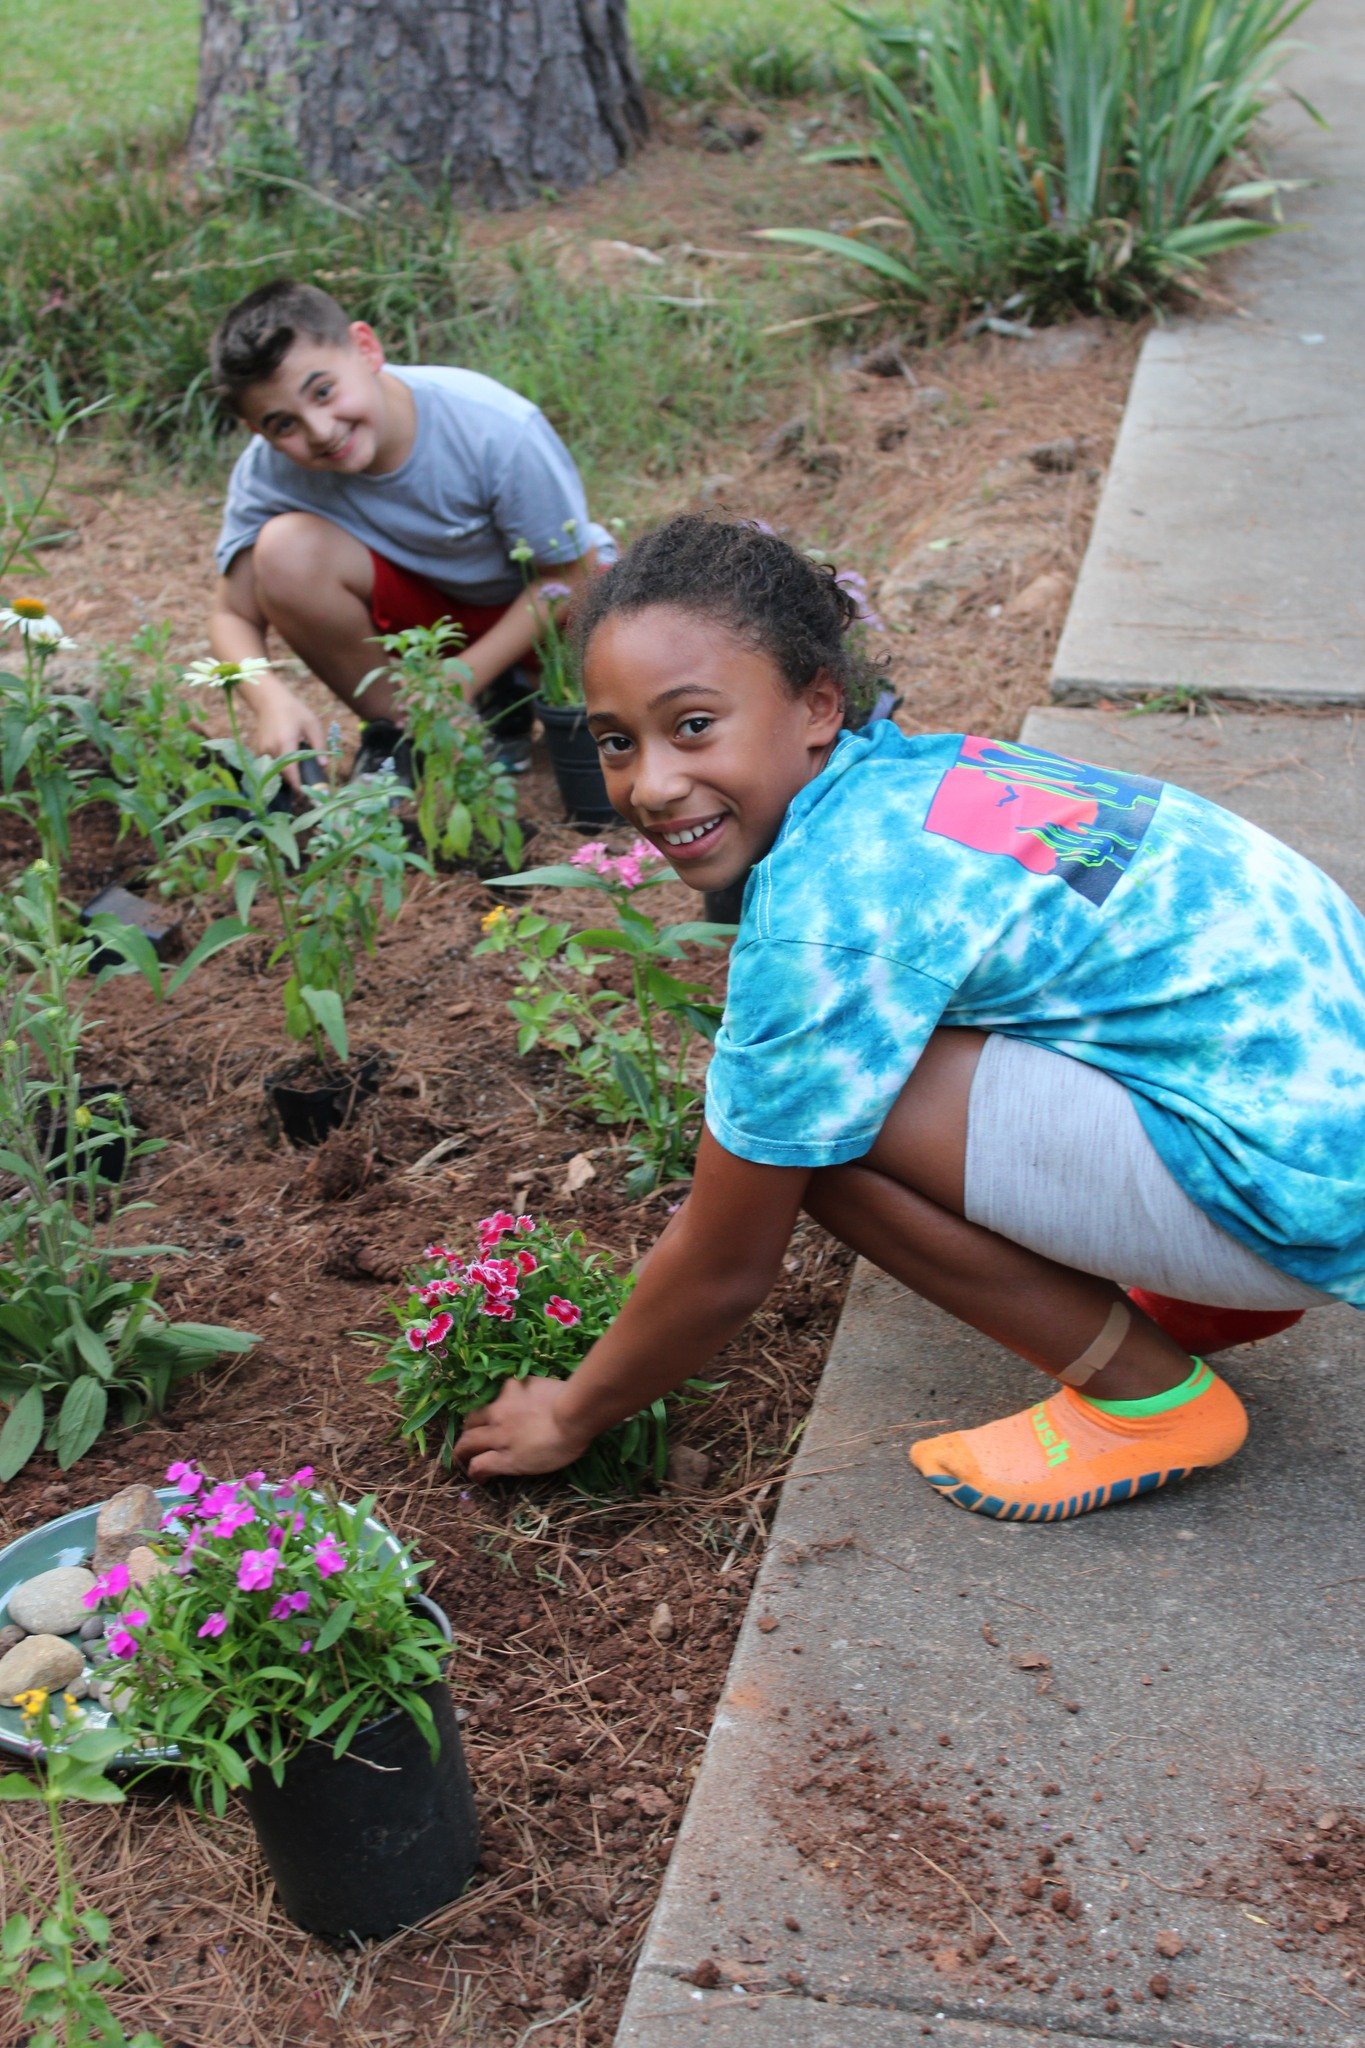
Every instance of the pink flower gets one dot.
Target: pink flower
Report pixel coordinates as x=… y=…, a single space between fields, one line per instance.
x=416 y=1334
x=491 y=1228
x=561 y=1311
x=439 y=1328
x=304 y=1648
x=438 y=1251
x=277 y=1535
x=593 y=855
x=525 y=1225
x=554 y=593
x=256 y=1569
x=329 y=1557
x=119 y=1641
x=303 y=1477
x=114 y=1582
x=184 y=1564
x=214 y=1626
x=233 y=1518
x=287 y=1604
x=185 y=1477
x=628 y=872
x=439 y=1290
x=254 y=1479
x=527 y=1262
x=640 y=849
x=218 y=1500
x=498 y=1305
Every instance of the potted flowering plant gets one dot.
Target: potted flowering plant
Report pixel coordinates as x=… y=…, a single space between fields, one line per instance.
x=286 y=1653
x=531 y=1302
x=559 y=700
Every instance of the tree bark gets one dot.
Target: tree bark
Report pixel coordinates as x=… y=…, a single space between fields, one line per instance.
x=500 y=100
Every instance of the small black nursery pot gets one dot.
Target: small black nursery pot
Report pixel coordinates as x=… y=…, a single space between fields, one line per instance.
x=311 y=1106
x=107 y=1151
x=375 y=1840
x=577 y=764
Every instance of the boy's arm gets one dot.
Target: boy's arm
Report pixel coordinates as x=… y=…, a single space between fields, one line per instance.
x=516 y=632
x=281 y=722
x=703 y=1279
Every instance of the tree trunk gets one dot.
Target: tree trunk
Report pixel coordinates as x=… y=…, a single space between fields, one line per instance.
x=499 y=100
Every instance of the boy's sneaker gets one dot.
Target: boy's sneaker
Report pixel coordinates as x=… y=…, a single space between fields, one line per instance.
x=506 y=709
x=384 y=749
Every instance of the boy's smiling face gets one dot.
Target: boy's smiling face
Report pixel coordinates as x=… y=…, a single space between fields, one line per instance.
x=328 y=408
x=703 y=745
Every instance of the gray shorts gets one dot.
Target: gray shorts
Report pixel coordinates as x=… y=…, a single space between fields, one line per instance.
x=1058 y=1160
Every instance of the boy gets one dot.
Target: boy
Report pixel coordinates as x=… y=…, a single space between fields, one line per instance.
x=371 y=499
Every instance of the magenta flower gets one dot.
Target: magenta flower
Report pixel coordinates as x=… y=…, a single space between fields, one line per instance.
x=416 y=1334
x=500 y=1306
x=304 y=1648
x=527 y=1262
x=214 y=1626
x=257 y=1569
x=438 y=1251
x=114 y=1582
x=439 y=1328
x=233 y=1518
x=303 y=1477
x=491 y=1228
x=254 y=1479
x=525 y=1225
x=592 y=856
x=120 y=1642
x=218 y=1500
x=561 y=1311
x=329 y=1557
x=287 y=1604
x=185 y=1477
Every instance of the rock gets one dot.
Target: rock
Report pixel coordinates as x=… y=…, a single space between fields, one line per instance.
x=53 y=1604
x=892 y=434
x=76 y=1688
x=885 y=360
x=10 y=1635
x=688 y=1470
x=1039 y=596
x=1159 y=1985
x=144 y=1565
x=936 y=576
x=41 y=1660
x=1056 y=458
x=123 y=1523
x=823 y=461
x=661 y=1623
x=109 y=1694
x=1062 y=348
x=91 y=1629
x=1169 y=1945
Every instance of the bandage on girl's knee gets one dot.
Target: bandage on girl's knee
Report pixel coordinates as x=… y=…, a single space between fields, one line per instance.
x=1096 y=1356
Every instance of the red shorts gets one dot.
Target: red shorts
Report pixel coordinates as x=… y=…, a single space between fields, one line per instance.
x=401 y=599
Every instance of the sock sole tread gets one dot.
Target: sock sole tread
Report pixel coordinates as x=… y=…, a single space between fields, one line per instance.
x=1062 y=1510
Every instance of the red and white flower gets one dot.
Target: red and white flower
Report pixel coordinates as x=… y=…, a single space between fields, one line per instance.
x=561 y=1311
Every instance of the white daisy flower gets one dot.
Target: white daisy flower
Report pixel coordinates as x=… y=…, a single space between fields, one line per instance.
x=224 y=675
x=35 y=622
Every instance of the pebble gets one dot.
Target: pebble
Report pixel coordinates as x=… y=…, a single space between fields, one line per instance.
x=53 y=1604
x=91 y=1629
x=144 y=1565
x=40 y=1660
x=77 y=1687
x=109 y=1694
x=661 y=1623
x=124 y=1523
x=10 y=1635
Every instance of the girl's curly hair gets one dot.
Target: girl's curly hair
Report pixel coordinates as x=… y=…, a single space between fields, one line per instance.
x=756 y=585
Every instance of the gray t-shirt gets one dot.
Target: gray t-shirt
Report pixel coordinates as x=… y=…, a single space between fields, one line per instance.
x=486 y=470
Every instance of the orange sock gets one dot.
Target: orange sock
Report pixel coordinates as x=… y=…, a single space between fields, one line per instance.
x=1069 y=1455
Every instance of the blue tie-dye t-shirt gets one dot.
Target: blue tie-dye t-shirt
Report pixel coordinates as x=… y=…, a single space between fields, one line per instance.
x=948 y=880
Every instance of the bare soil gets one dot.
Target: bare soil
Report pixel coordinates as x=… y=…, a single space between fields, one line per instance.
x=584 y=1729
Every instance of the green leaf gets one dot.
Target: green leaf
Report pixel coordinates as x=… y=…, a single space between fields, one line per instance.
x=13 y=1787
x=95 y=1925
x=92 y=1347
x=631 y=1078
x=560 y=876
x=20 y=1436
x=16 y=1937
x=865 y=253
x=336 y=1624
x=224 y=931
x=80 y=1419
x=324 y=1004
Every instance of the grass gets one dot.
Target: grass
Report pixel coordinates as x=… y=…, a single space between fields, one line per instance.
x=118 y=269
x=89 y=66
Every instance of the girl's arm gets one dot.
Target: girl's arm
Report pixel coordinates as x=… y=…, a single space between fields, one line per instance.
x=702 y=1280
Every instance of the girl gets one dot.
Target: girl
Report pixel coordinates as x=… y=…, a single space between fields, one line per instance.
x=1021 y=1031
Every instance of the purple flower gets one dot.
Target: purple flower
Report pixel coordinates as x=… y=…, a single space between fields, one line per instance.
x=256 y=1570
x=289 y=1603
x=553 y=593
x=304 y=1648
x=329 y=1557
x=114 y=1582
x=185 y=1477
x=214 y=1626
x=233 y=1518
x=120 y=1643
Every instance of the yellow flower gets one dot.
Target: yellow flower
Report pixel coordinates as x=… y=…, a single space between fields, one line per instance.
x=69 y=1700
x=31 y=1703
x=29 y=607
x=82 y=1118
x=493 y=918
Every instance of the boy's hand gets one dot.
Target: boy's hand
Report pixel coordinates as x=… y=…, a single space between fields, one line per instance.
x=283 y=725
x=521 y=1432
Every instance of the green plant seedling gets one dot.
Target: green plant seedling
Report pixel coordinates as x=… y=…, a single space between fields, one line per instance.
x=466 y=803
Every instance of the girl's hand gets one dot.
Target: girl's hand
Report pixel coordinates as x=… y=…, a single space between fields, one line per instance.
x=521 y=1432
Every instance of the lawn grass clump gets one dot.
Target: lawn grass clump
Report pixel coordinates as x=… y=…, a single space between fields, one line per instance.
x=1045 y=155
x=120 y=263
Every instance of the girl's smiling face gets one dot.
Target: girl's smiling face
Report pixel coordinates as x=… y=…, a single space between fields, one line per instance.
x=702 y=743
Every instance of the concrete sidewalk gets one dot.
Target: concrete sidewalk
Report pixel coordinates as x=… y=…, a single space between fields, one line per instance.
x=1163 y=1701
x=1226 y=552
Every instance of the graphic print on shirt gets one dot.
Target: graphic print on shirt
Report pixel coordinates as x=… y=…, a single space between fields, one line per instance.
x=1052 y=815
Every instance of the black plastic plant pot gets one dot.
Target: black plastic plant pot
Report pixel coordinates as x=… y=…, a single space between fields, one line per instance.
x=157 y=924
x=577 y=765
x=362 y=1845
x=107 y=1152
x=310 y=1107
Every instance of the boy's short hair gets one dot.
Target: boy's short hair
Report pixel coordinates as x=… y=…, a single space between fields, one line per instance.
x=254 y=336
